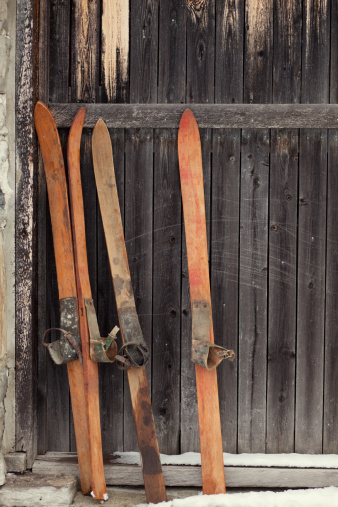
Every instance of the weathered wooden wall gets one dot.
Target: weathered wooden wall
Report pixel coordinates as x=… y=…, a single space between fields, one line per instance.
x=271 y=211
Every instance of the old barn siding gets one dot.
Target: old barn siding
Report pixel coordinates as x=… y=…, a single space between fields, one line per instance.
x=271 y=214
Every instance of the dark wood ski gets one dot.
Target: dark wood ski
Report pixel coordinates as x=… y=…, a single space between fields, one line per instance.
x=205 y=354
x=90 y=368
x=61 y=351
x=134 y=348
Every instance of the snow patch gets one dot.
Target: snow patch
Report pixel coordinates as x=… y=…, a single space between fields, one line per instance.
x=324 y=497
x=246 y=460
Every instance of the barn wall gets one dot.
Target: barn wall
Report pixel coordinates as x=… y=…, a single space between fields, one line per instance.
x=271 y=216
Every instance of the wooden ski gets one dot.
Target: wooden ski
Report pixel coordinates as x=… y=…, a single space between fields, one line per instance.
x=134 y=348
x=90 y=368
x=63 y=248
x=204 y=353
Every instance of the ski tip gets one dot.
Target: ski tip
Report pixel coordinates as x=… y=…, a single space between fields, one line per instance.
x=100 y=124
x=79 y=117
x=40 y=108
x=43 y=117
x=100 y=128
x=187 y=118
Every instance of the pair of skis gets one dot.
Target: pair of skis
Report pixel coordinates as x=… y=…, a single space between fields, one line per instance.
x=74 y=282
x=77 y=313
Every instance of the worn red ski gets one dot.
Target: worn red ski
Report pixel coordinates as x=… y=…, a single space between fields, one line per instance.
x=67 y=348
x=134 y=352
x=92 y=345
x=75 y=294
x=205 y=353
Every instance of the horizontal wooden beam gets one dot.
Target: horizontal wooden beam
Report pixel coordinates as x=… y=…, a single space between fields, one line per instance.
x=188 y=475
x=323 y=116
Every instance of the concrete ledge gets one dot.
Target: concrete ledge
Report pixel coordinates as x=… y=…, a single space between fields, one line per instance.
x=30 y=490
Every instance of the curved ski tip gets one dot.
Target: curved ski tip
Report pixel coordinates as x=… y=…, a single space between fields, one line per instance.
x=43 y=114
x=79 y=117
x=186 y=118
x=40 y=107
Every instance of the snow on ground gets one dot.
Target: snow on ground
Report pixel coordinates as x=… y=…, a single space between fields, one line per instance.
x=325 y=497
x=250 y=460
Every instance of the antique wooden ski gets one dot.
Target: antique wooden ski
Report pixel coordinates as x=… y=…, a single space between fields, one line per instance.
x=205 y=354
x=90 y=368
x=62 y=351
x=134 y=348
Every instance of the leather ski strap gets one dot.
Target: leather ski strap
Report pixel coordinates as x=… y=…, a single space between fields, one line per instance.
x=102 y=350
x=204 y=352
x=68 y=347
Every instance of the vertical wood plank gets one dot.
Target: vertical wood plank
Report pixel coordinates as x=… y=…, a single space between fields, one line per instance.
x=225 y=209
x=283 y=234
x=312 y=234
x=138 y=238
x=139 y=181
x=167 y=288
x=282 y=291
x=330 y=433
x=115 y=88
x=25 y=231
x=254 y=234
x=115 y=50
x=42 y=391
x=200 y=88
x=59 y=50
x=111 y=379
x=166 y=363
x=58 y=401
x=84 y=72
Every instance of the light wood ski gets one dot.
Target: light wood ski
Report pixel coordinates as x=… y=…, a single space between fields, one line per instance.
x=62 y=351
x=90 y=368
x=134 y=349
x=205 y=354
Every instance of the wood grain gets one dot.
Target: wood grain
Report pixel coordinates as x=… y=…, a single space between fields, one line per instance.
x=137 y=378
x=208 y=115
x=115 y=50
x=312 y=235
x=254 y=210
x=191 y=176
x=63 y=248
x=166 y=349
x=183 y=475
x=25 y=231
x=200 y=68
x=225 y=176
x=42 y=388
x=282 y=287
x=330 y=435
x=114 y=88
x=90 y=368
